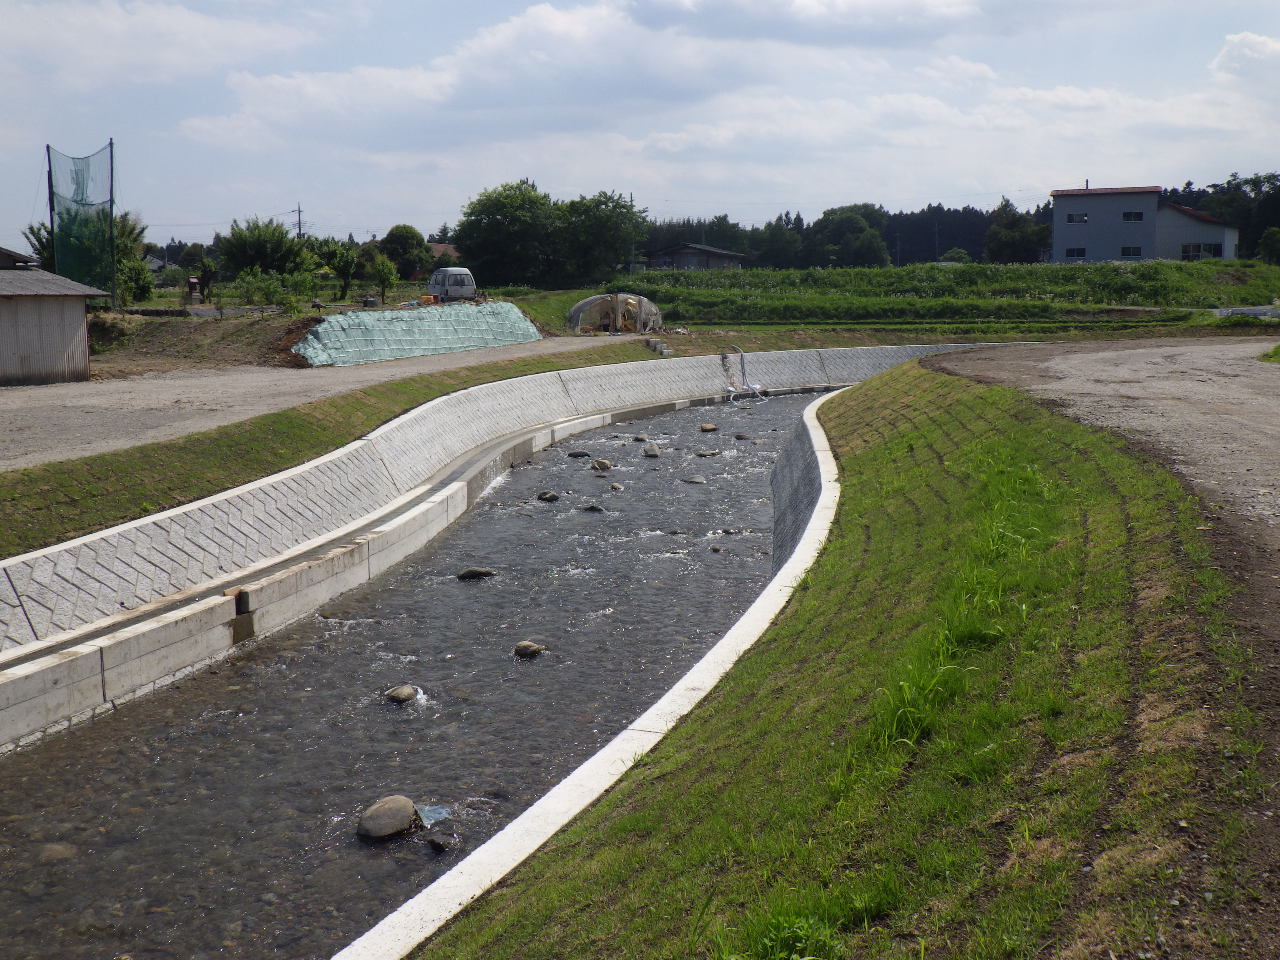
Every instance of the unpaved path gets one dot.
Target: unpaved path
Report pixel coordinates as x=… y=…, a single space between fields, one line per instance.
x=62 y=421
x=1210 y=410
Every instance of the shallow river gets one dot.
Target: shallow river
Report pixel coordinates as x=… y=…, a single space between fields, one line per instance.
x=216 y=818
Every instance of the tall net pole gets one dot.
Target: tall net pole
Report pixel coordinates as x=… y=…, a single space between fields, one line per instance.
x=111 y=214
x=52 y=265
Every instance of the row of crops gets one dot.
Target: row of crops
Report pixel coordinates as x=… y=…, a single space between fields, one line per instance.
x=1206 y=283
x=977 y=297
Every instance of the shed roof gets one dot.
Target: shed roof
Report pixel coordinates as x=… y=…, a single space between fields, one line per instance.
x=11 y=258
x=40 y=283
x=701 y=248
x=1194 y=214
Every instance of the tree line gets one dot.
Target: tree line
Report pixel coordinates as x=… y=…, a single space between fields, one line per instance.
x=517 y=235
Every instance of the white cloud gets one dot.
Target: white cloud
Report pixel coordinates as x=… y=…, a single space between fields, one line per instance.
x=546 y=69
x=1251 y=60
x=956 y=71
x=84 y=44
x=818 y=22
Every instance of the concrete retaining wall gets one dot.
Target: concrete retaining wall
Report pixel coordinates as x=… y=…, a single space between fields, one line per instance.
x=369 y=501
x=795 y=484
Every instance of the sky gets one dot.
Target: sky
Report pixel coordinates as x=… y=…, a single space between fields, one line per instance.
x=368 y=113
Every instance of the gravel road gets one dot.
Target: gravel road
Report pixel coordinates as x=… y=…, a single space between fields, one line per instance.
x=62 y=421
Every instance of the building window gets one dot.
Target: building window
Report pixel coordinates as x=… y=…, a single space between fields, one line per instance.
x=1077 y=218
x=1130 y=251
x=1201 y=251
x=1131 y=216
x=1077 y=253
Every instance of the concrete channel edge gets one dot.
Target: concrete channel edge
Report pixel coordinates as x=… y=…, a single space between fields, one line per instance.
x=417 y=919
x=59 y=679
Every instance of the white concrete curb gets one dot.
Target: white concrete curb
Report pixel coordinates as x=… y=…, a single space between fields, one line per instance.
x=404 y=929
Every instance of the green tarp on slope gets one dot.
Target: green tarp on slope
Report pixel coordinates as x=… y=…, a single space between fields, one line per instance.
x=351 y=338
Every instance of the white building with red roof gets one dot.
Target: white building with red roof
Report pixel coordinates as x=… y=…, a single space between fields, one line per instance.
x=1134 y=223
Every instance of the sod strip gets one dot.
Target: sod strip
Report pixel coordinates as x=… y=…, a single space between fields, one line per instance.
x=54 y=502
x=983 y=726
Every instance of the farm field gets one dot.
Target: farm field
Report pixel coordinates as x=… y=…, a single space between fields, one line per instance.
x=966 y=300
x=1002 y=717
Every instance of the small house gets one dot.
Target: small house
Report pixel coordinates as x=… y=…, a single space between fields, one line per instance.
x=695 y=256
x=44 y=334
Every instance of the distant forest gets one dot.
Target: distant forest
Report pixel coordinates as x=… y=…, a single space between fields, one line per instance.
x=868 y=235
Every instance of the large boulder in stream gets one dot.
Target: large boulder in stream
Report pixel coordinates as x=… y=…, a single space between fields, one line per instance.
x=388 y=817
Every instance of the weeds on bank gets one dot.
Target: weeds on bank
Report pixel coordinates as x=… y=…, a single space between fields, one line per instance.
x=976 y=731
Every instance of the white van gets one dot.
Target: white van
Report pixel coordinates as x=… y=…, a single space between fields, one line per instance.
x=452 y=283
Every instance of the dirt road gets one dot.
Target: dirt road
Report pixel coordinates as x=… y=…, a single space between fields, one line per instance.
x=62 y=421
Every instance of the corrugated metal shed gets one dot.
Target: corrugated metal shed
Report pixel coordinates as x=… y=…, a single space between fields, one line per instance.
x=43 y=334
x=40 y=283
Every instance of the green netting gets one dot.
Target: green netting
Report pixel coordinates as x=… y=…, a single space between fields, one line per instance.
x=351 y=338
x=82 y=212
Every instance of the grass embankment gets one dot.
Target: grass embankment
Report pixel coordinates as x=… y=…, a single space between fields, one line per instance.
x=983 y=727
x=1272 y=355
x=973 y=300
x=47 y=504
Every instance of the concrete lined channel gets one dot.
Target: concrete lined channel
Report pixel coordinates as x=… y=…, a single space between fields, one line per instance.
x=216 y=818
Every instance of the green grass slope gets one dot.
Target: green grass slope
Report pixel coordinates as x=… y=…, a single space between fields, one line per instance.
x=984 y=727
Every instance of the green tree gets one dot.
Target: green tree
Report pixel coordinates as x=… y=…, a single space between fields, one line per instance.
x=594 y=235
x=1014 y=237
x=385 y=275
x=506 y=235
x=1269 y=245
x=778 y=245
x=957 y=255
x=844 y=237
x=265 y=244
x=405 y=246
x=342 y=259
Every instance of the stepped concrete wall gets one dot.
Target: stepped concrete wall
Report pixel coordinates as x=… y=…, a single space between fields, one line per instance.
x=64 y=599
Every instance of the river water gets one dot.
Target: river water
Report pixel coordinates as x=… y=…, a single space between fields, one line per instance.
x=216 y=818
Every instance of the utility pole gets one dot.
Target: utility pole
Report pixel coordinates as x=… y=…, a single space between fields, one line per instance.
x=299 y=213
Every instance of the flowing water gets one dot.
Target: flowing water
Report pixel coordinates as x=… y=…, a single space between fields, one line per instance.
x=216 y=818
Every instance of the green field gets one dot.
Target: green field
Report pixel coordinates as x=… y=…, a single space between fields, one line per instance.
x=974 y=300
x=984 y=727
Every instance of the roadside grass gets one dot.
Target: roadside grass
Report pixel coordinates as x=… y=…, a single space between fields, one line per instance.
x=989 y=724
x=53 y=502
x=549 y=309
x=1272 y=355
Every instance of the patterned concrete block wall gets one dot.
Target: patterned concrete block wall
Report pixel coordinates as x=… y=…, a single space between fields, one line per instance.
x=795 y=484
x=78 y=583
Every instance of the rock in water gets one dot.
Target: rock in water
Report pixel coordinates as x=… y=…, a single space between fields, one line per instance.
x=388 y=817
x=578 y=454
x=548 y=496
x=742 y=436
x=708 y=453
x=698 y=478
x=527 y=649
x=402 y=693
x=641 y=438
x=601 y=464
x=708 y=428
x=593 y=508
x=476 y=573
x=615 y=486
x=651 y=450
